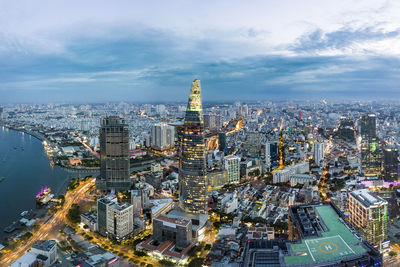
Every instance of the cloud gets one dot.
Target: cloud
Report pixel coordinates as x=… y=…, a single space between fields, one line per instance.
x=348 y=41
x=132 y=50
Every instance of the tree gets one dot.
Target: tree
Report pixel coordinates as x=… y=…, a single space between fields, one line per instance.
x=196 y=262
x=392 y=253
x=166 y=263
x=74 y=214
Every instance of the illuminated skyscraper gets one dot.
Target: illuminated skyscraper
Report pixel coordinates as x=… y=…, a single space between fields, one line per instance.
x=114 y=155
x=369 y=215
x=192 y=173
x=390 y=164
x=370 y=148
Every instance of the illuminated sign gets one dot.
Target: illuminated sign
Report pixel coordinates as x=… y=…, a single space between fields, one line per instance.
x=373 y=146
x=112 y=261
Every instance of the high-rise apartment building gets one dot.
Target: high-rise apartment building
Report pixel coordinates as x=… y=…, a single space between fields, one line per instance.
x=319 y=153
x=369 y=215
x=370 y=148
x=192 y=172
x=212 y=122
x=162 y=136
x=268 y=154
x=114 y=155
x=390 y=163
x=232 y=165
x=114 y=219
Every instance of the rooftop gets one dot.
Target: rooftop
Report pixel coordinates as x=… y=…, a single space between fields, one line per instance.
x=367 y=198
x=45 y=245
x=108 y=199
x=177 y=221
x=335 y=243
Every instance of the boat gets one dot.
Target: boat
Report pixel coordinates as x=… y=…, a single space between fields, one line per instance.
x=2 y=179
x=44 y=196
x=24 y=213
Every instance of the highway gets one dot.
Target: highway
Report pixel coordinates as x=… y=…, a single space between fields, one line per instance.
x=52 y=224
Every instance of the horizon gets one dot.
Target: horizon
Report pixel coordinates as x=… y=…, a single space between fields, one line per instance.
x=107 y=52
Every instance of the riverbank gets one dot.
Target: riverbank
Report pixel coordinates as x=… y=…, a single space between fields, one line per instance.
x=43 y=138
x=26 y=169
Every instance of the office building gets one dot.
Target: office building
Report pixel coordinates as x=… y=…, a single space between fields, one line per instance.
x=319 y=153
x=162 y=136
x=192 y=172
x=253 y=144
x=221 y=141
x=115 y=220
x=346 y=129
x=370 y=148
x=369 y=215
x=232 y=165
x=390 y=164
x=114 y=155
x=176 y=230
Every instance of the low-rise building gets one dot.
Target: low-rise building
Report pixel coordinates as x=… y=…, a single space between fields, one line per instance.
x=94 y=256
x=89 y=219
x=43 y=253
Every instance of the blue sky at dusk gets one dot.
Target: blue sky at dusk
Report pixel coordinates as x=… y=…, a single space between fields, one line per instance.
x=96 y=51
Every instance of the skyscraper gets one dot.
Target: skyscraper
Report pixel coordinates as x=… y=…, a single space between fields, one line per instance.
x=370 y=148
x=114 y=155
x=192 y=172
x=368 y=213
x=162 y=136
x=221 y=141
x=319 y=153
x=390 y=163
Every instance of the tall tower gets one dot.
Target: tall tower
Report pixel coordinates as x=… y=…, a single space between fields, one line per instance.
x=370 y=148
x=192 y=172
x=390 y=163
x=114 y=155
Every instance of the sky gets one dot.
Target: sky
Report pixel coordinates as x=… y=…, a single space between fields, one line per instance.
x=151 y=51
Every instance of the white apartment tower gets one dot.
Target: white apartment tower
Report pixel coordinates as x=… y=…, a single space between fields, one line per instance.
x=232 y=165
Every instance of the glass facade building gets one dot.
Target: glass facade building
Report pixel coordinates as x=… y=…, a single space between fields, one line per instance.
x=390 y=164
x=192 y=172
x=114 y=155
x=370 y=147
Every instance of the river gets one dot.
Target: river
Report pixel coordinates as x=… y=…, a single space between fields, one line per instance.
x=26 y=168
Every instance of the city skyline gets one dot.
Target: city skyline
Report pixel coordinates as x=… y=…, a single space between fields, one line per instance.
x=106 y=52
x=285 y=154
